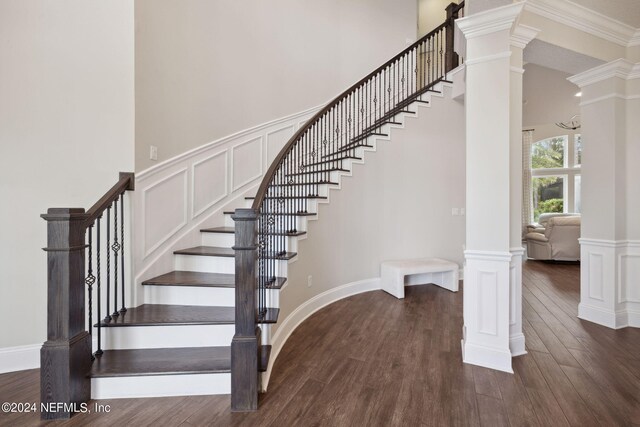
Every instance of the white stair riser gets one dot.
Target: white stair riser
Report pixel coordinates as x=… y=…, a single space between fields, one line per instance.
x=225 y=240
x=131 y=337
x=160 y=386
x=205 y=264
x=195 y=295
x=189 y=295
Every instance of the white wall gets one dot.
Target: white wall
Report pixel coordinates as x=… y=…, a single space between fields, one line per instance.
x=431 y=13
x=207 y=69
x=66 y=130
x=397 y=205
x=548 y=97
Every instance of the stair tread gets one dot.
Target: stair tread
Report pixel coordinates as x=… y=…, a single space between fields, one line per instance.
x=271 y=316
x=164 y=314
x=318 y=172
x=306 y=183
x=224 y=252
x=162 y=361
x=193 y=278
x=279 y=214
x=196 y=278
x=232 y=230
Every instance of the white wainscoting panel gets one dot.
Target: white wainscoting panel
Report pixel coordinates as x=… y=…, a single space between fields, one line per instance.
x=276 y=140
x=169 y=192
x=247 y=166
x=209 y=182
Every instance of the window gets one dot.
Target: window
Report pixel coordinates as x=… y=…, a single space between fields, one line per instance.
x=555 y=174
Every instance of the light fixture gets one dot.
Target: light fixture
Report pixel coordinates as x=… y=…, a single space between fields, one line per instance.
x=579 y=94
x=572 y=124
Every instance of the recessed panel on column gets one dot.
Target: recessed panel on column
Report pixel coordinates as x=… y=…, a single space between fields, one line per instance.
x=596 y=275
x=488 y=302
x=629 y=278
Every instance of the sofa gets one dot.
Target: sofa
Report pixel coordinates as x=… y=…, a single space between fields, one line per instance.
x=554 y=238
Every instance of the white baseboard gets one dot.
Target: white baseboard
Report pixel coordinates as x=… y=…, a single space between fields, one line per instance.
x=19 y=358
x=516 y=345
x=487 y=357
x=307 y=309
x=597 y=315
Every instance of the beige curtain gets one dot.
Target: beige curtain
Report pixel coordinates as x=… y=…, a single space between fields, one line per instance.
x=527 y=204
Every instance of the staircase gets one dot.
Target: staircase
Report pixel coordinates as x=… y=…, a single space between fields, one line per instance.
x=199 y=330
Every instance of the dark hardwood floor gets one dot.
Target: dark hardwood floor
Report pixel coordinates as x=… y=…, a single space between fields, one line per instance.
x=373 y=360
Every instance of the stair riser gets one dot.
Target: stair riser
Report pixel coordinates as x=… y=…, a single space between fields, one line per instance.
x=187 y=295
x=205 y=264
x=131 y=337
x=224 y=240
x=160 y=386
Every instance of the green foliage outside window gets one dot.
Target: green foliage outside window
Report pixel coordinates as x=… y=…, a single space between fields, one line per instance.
x=551 y=205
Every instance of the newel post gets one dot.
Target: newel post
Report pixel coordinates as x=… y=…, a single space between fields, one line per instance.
x=65 y=358
x=244 y=347
x=451 y=57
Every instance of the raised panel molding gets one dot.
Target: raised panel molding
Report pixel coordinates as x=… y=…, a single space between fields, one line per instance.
x=275 y=140
x=170 y=191
x=512 y=295
x=595 y=279
x=487 y=304
x=209 y=182
x=245 y=165
x=628 y=276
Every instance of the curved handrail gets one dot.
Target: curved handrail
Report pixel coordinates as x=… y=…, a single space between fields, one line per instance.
x=268 y=177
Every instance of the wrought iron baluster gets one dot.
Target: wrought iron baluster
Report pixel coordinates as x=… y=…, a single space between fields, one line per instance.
x=115 y=247
x=98 y=352
x=107 y=318
x=123 y=309
x=90 y=280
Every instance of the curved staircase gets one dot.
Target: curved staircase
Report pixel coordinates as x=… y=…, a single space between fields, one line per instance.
x=199 y=329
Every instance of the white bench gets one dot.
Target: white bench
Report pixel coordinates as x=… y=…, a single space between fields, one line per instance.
x=431 y=270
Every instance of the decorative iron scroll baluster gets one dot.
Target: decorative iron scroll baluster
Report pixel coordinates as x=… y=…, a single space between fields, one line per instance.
x=98 y=352
x=115 y=247
x=90 y=280
x=123 y=309
x=107 y=317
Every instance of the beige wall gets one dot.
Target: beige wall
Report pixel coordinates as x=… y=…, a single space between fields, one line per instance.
x=431 y=13
x=548 y=97
x=398 y=205
x=208 y=69
x=66 y=130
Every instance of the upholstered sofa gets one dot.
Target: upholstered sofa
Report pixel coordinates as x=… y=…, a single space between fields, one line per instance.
x=555 y=238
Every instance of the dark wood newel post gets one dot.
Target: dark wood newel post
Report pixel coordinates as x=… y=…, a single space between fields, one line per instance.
x=451 y=57
x=65 y=358
x=244 y=347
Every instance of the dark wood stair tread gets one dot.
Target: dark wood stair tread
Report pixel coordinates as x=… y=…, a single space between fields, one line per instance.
x=232 y=230
x=164 y=314
x=279 y=214
x=224 y=252
x=162 y=361
x=271 y=316
x=193 y=278
x=294 y=184
x=196 y=278
x=292 y=197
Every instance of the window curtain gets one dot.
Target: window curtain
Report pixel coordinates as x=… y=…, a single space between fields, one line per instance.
x=527 y=203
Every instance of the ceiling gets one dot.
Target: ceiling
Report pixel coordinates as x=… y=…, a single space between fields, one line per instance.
x=625 y=11
x=558 y=58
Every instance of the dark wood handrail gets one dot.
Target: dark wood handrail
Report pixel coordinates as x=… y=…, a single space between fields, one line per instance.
x=125 y=183
x=264 y=185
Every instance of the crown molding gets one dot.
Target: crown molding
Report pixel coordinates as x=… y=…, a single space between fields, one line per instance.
x=489 y=21
x=621 y=68
x=583 y=19
x=522 y=35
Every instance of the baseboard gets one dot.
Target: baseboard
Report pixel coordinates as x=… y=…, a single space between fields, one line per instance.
x=598 y=315
x=19 y=358
x=516 y=345
x=309 y=307
x=486 y=357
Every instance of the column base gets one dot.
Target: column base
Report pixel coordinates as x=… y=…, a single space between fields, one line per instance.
x=516 y=345
x=487 y=357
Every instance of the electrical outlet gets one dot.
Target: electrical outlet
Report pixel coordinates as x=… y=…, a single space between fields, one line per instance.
x=454 y=211
x=462 y=211
x=153 y=152
x=309 y=281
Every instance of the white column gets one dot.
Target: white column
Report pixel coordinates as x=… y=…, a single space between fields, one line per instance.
x=610 y=231
x=487 y=283
x=520 y=37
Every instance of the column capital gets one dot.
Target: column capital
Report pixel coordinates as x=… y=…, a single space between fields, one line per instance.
x=620 y=68
x=490 y=21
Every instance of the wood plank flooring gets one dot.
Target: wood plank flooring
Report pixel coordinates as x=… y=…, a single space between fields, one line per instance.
x=373 y=360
